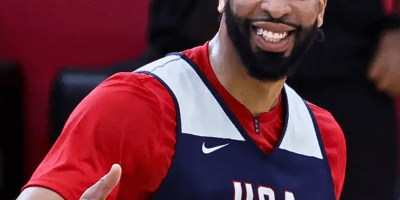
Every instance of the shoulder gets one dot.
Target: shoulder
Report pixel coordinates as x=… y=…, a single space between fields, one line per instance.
x=139 y=116
x=331 y=132
x=128 y=119
x=334 y=143
x=327 y=123
x=120 y=101
x=134 y=86
x=125 y=95
x=147 y=109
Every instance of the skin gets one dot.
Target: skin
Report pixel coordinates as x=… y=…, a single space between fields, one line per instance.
x=257 y=96
x=98 y=191
x=384 y=70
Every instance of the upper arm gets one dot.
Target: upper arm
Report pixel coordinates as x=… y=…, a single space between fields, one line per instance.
x=39 y=193
x=335 y=146
x=106 y=127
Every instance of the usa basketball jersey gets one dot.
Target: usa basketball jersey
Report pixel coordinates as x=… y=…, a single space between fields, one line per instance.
x=215 y=159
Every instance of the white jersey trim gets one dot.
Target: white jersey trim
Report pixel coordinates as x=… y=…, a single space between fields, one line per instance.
x=201 y=114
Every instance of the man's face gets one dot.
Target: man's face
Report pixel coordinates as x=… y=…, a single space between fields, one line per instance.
x=271 y=36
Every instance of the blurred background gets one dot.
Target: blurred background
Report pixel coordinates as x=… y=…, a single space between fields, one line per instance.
x=54 y=52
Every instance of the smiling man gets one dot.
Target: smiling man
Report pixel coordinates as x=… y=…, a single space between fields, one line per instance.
x=213 y=122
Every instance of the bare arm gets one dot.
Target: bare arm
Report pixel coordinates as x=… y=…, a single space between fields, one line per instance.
x=39 y=193
x=99 y=191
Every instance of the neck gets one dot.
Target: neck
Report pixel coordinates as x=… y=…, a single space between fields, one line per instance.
x=257 y=96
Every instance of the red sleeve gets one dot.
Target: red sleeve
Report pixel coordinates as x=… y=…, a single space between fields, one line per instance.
x=121 y=121
x=335 y=146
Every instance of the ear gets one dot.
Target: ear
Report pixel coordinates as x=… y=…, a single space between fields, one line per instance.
x=221 y=6
x=321 y=12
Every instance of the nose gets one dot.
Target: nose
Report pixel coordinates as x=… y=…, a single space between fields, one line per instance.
x=276 y=8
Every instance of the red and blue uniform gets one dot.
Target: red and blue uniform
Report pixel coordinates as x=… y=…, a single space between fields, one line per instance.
x=165 y=138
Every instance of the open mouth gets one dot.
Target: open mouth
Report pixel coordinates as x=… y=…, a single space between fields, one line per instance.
x=272 y=40
x=271 y=36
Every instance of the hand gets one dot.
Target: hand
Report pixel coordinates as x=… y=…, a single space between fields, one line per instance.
x=385 y=67
x=103 y=187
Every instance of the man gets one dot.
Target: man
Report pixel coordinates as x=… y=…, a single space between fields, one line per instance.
x=355 y=74
x=213 y=122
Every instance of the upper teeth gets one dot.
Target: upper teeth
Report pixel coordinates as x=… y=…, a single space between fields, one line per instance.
x=271 y=36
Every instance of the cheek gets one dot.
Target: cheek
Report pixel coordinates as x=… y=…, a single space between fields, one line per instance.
x=291 y=46
x=306 y=12
x=253 y=43
x=244 y=8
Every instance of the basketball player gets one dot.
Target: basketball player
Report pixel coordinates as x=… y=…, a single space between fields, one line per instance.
x=213 y=122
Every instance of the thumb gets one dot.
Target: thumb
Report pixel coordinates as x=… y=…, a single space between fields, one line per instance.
x=102 y=188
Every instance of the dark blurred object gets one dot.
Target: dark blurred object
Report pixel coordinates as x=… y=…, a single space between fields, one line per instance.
x=70 y=87
x=333 y=75
x=175 y=25
x=11 y=139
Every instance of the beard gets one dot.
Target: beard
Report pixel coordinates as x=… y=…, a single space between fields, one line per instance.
x=263 y=65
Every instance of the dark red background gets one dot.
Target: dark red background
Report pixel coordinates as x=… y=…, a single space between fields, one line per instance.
x=46 y=35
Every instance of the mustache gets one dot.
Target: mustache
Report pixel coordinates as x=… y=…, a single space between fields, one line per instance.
x=276 y=21
x=267 y=17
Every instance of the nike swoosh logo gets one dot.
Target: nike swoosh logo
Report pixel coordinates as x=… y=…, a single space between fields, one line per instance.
x=210 y=150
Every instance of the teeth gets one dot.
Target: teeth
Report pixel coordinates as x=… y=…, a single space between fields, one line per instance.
x=260 y=32
x=271 y=36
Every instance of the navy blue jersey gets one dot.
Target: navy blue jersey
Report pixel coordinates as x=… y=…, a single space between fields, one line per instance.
x=215 y=159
